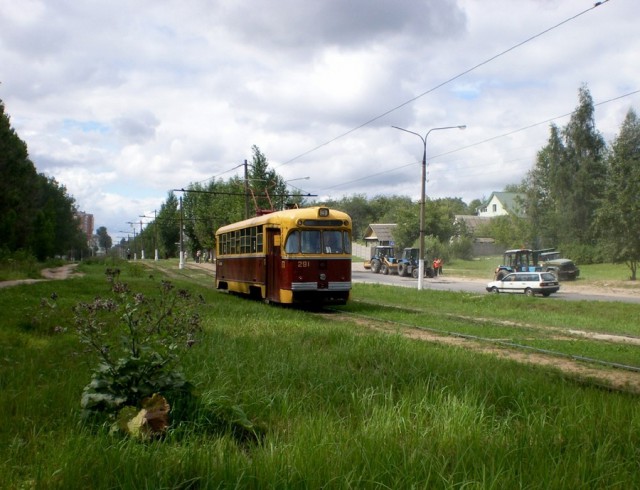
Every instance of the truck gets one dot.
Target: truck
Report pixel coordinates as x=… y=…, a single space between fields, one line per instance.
x=564 y=269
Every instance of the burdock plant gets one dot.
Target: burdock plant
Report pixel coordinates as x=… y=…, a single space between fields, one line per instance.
x=138 y=341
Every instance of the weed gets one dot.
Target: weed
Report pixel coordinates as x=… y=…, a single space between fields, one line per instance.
x=139 y=341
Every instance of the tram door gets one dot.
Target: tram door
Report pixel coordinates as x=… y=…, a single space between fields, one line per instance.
x=273 y=264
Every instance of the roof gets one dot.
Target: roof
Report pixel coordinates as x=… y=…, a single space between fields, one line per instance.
x=383 y=232
x=288 y=216
x=472 y=221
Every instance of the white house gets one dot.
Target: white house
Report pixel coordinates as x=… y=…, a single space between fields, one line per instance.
x=501 y=204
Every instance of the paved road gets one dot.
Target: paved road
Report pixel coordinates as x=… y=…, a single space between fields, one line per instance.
x=568 y=290
x=445 y=282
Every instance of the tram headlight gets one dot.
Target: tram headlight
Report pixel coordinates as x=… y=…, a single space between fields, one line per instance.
x=323 y=277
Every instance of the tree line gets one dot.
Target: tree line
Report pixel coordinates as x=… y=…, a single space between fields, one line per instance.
x=201 y=208
x=37 y=215
x=581 y=196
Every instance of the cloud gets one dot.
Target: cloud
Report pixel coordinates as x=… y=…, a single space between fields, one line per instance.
x=123 y=101
x=293 y=25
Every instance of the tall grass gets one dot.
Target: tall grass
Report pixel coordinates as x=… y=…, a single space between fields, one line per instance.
x=342 y=407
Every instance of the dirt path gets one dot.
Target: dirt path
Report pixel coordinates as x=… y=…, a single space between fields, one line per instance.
x=51 y=274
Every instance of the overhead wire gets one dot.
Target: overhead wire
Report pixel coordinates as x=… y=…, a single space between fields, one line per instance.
x=441 y=84
x=486 y=140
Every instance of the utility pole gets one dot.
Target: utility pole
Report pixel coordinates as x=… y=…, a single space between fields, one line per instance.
x=246 y=189
x=141 y=243
x=181 y=265
x=155 y=235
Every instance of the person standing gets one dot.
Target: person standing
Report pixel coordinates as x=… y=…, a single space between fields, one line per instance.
x=437 y=266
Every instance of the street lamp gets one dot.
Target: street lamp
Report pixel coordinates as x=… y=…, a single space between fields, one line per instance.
x=423 y=194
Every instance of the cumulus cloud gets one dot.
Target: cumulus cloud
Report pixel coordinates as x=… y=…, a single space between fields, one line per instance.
x=122 y=101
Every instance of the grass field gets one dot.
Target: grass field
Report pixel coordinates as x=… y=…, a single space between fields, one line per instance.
x=341 y=405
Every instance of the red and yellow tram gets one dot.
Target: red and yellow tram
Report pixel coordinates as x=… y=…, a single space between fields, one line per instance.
x=294 y=256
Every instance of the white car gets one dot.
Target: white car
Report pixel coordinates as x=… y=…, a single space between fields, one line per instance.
x=529 y=283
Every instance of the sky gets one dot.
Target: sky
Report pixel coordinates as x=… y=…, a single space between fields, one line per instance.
x=122 y=101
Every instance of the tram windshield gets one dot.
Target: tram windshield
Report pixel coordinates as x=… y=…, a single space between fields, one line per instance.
x=316 y=241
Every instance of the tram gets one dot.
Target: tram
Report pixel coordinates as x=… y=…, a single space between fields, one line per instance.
x=295 y=256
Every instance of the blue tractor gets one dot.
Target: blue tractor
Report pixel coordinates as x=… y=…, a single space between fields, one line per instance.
x=408 y=264
x=518 y=260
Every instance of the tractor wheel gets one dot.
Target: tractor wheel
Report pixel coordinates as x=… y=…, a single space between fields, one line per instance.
x=415 y=272
x=375 y=266
x=501 y=275
x=428 y=272
x=384 y=269
x=402 y=270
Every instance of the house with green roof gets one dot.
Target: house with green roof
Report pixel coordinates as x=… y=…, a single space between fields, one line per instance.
x=501 y=204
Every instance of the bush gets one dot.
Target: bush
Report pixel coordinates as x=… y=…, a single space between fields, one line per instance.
x=461 y=248
x=20 y=263
x=586 y=254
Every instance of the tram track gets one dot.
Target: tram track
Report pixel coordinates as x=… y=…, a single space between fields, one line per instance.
x=592 y=371
x=603 y=373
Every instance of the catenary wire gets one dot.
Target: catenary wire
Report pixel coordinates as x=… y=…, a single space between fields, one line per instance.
x=481 y=142
x=441 y=84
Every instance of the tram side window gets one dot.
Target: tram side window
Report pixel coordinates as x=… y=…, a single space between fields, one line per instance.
x=253 y=232
x=259 y=239
x=235 y=242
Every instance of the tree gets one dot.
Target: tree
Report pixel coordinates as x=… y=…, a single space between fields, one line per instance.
x=542 y=196
x=439 y=218
x=267 y=187
x=104 y=240
x=206 y=208
x=584 y=173
x=509 y=231
x=36 y=213
x=473 y=206
x=564 y=187
x=618 y=216
x=168 y=220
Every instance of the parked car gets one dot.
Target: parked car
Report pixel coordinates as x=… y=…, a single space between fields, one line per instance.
x=564 y=269
x=529 y=283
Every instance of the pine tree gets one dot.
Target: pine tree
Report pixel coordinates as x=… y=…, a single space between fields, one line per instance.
x=618 y=217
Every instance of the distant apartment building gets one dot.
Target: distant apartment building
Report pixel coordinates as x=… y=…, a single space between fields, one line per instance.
x=86 y=224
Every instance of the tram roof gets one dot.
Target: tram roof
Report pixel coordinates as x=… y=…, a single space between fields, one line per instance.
x=291 y=215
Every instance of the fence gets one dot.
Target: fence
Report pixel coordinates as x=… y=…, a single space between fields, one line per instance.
x=362 y=251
